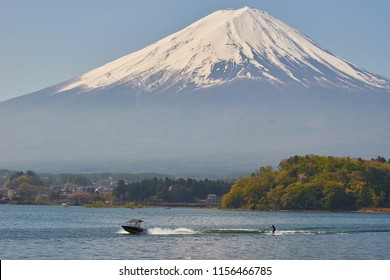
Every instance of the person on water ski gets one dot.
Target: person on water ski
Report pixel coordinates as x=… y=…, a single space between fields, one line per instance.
x=273 y=229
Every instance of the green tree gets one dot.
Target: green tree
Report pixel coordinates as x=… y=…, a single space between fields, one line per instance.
x=314 y=182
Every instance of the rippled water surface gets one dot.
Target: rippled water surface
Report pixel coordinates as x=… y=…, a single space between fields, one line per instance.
x=56 y=232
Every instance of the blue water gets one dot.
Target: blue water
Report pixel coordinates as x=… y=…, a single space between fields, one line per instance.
x=56 y=232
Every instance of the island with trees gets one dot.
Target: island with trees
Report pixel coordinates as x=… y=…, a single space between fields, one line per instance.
x=314 y=182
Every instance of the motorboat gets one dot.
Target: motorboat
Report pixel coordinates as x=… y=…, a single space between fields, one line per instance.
x=133 y=226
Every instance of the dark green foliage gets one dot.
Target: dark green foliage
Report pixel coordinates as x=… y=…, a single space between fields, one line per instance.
x=169 y=190
x=76 y=179
x=314 y=182
x=18 y=178
x=27 y=187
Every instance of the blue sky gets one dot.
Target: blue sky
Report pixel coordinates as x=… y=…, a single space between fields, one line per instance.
x=44 y=42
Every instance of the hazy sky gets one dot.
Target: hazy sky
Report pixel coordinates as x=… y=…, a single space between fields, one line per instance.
x=44 y=42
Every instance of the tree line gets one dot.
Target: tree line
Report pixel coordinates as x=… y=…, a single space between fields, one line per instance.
x=27 y=187
x=169 y=190
x=30 y=188
x=314 y=182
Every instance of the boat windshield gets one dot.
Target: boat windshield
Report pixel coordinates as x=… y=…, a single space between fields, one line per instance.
x=135 y=222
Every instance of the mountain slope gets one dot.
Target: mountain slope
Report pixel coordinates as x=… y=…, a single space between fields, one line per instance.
x=235 y=90
x=226 y=45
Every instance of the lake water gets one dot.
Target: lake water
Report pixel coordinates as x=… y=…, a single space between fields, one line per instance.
x=57 y=232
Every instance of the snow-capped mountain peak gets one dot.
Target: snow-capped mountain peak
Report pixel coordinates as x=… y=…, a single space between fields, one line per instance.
x=262 y=91
x=226 y=45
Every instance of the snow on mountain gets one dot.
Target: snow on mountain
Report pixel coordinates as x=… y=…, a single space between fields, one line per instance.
x=228 y=45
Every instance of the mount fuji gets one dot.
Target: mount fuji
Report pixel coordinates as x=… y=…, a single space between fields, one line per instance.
x=234 y=90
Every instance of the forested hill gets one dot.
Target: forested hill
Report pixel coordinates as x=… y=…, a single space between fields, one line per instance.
x=314 y=183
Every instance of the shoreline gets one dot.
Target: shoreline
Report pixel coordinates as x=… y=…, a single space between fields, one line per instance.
x=374 y=210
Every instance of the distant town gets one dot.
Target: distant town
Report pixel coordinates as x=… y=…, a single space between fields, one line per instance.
x=105 y=190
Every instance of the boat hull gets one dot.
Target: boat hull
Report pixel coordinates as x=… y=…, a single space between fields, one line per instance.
x=133 y=230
